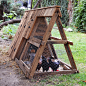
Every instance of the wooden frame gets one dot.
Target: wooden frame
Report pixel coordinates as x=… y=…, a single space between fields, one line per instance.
x=34 y=32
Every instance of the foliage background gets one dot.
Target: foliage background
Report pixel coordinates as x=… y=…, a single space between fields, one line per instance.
x=62 y=3
x=80 y=16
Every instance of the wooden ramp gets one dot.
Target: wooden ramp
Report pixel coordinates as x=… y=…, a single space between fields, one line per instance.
x=35 y=33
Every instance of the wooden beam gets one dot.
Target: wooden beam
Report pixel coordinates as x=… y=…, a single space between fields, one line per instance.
x=44 y=8
x=56 y=72
x=57 y=42
x=34 y=43
x=67 y=47
x=55 y=38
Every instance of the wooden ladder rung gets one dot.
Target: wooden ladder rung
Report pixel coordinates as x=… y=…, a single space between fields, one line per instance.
x=55 y=38
x=57 y=42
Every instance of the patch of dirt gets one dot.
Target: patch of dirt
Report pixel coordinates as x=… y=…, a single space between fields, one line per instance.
x=10 y=73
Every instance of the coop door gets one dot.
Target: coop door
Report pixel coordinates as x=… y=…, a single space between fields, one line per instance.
x=38 y=31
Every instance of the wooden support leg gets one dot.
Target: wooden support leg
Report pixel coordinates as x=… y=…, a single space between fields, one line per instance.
x=67 y=48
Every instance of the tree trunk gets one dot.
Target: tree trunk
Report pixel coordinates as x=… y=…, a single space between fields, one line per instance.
x=70 y=11
x=1 y=12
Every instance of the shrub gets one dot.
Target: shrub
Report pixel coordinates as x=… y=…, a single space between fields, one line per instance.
x=15 y=7
x=10 y=29
x=80 y=16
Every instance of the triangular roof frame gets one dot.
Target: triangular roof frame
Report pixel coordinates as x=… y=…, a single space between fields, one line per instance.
x=33 y=25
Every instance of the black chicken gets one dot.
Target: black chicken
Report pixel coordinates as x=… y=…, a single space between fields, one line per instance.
x=45 y=64
x=25 y=4
x=39 y=64
x=54 y=65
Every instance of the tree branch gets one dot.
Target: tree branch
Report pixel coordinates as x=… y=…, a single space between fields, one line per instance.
x=10 y=22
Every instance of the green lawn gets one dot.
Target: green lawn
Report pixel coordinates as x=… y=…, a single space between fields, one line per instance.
x=79 y=54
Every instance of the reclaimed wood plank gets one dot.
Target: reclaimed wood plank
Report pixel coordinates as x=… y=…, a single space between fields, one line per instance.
x=38 y=27
x=30 y=22
x=45 y=8
x=56 y=72
x=31 y=25
x=55 y=38
x=17 y=33
x=34 y=43
x=56 y=41
x=33 y=39
x=49 y=12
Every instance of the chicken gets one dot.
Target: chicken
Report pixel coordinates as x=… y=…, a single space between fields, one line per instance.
x=45 y=64
x=54 y=65
x=39 y=65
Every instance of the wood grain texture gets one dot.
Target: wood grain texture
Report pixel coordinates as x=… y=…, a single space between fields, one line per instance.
x=56 y=72
x=56 y=41
x=67 y=48
x=55 y=38
x=23 y=66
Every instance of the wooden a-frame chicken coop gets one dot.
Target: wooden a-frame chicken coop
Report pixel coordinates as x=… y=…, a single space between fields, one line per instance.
x=35 y=33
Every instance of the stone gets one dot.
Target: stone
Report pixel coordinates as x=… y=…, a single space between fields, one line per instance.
x=69 y=30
